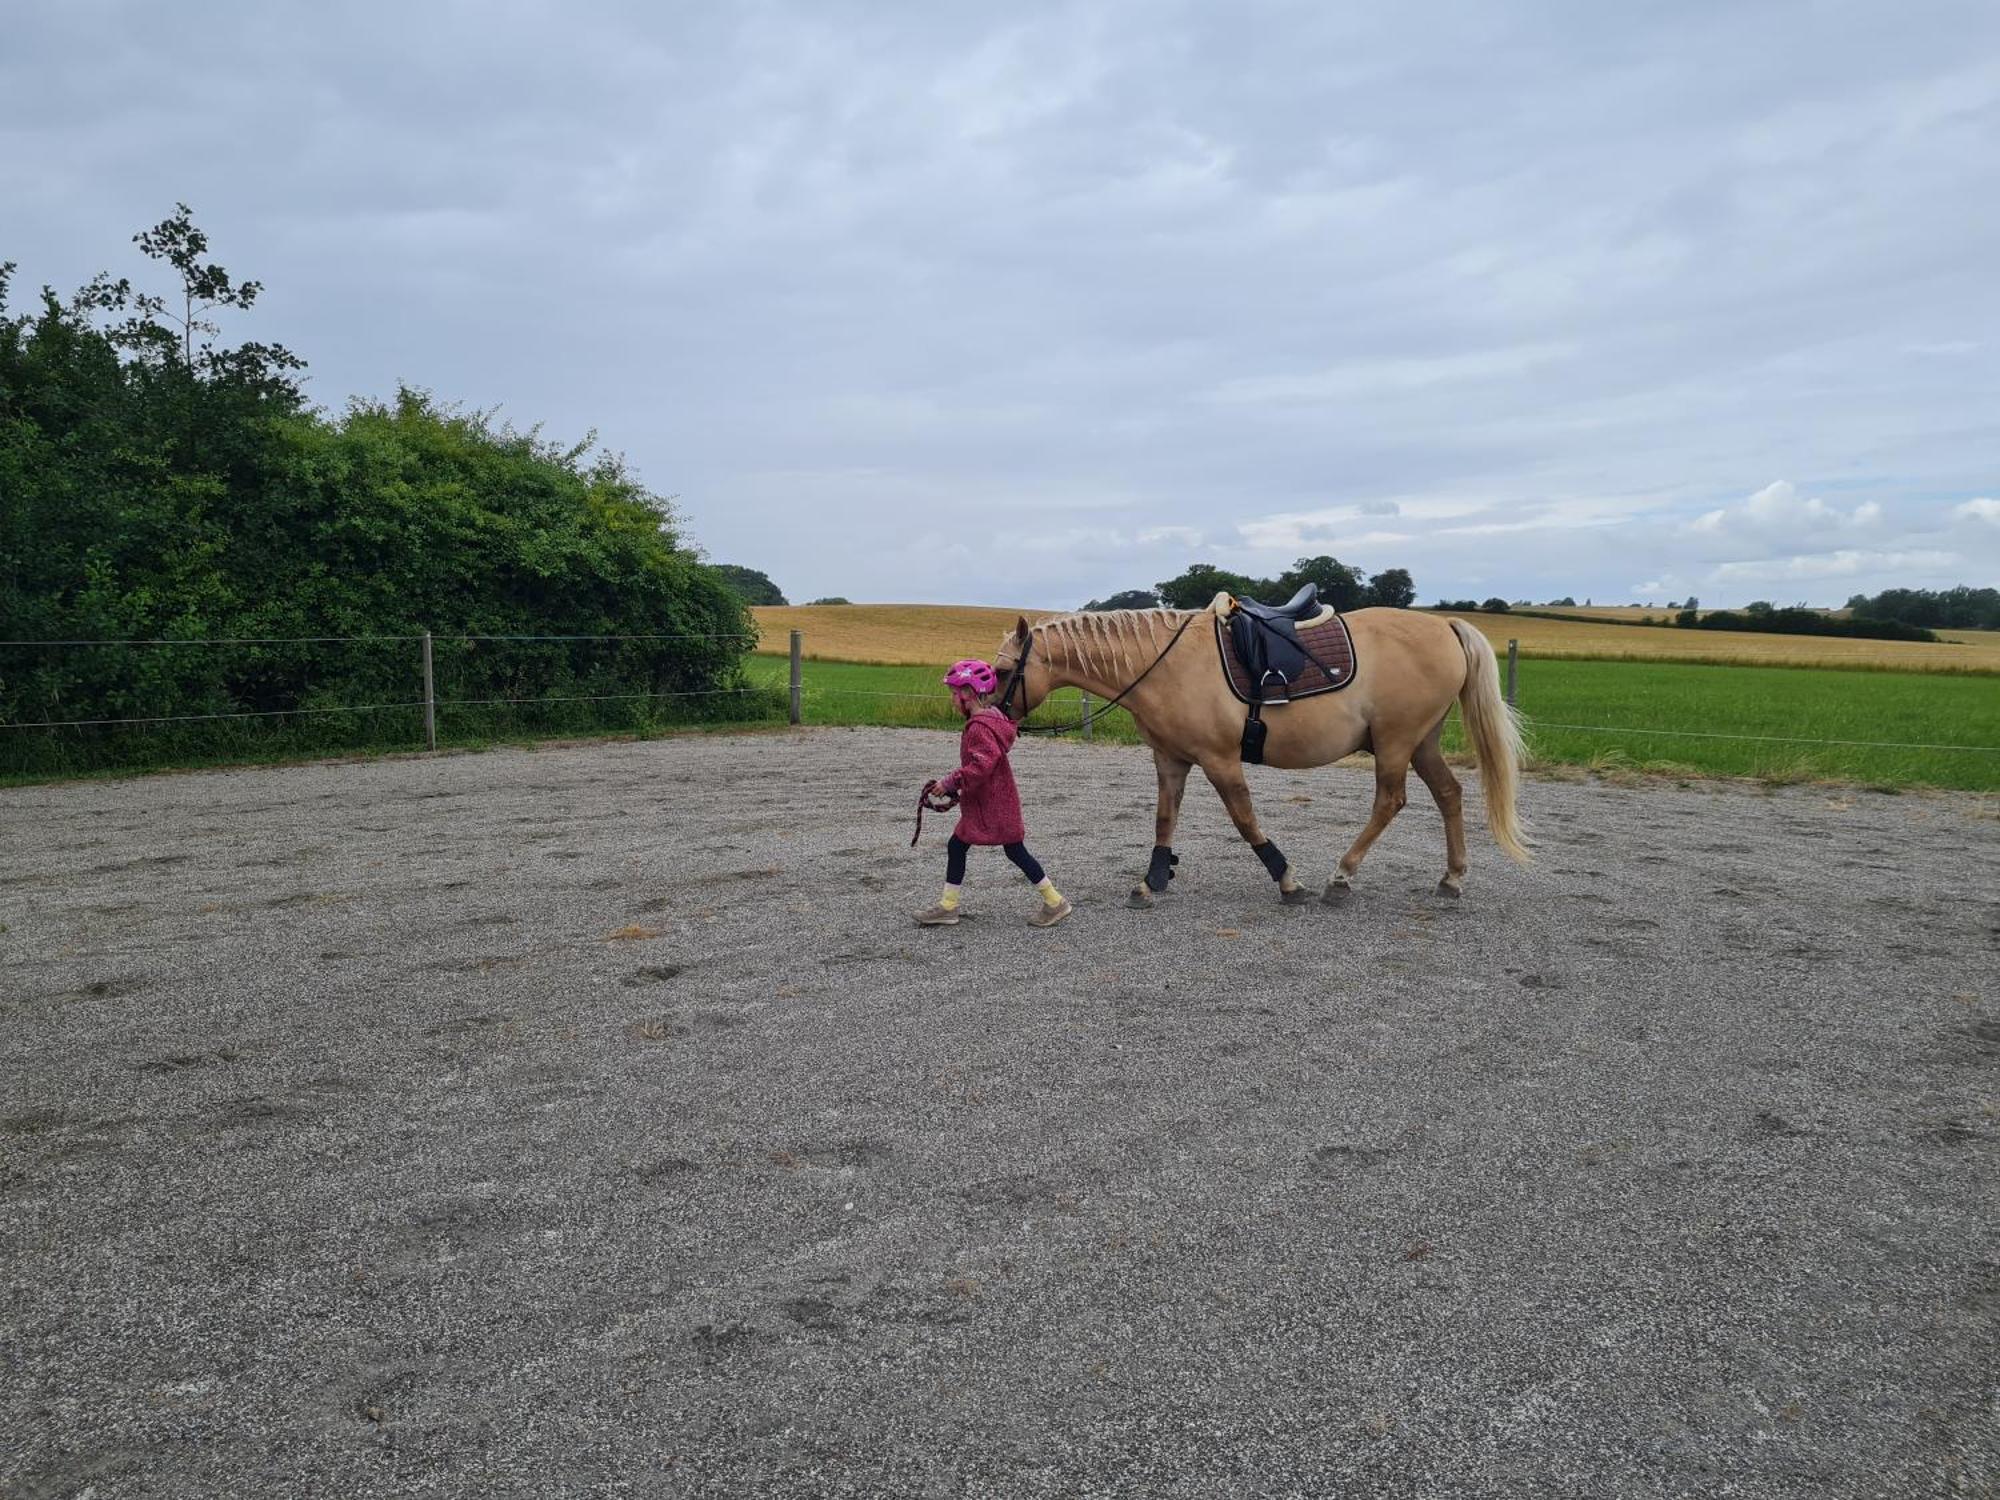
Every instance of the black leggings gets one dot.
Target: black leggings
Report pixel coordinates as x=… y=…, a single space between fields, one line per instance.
x=956 y=850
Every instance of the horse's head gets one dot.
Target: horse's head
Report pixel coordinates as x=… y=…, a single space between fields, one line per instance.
x=1024 y=672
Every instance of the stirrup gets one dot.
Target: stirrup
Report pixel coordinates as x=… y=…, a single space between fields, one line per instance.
x=1284 y=688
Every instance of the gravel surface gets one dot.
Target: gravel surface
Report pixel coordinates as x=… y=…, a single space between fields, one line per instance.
x=593 y=1121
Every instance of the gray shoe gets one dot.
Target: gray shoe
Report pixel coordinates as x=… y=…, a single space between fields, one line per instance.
x=1047 y=915
x=938 y=916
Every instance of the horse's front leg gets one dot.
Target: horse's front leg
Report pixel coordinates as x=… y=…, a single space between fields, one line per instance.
x=1234 y=789
x=1173 y=786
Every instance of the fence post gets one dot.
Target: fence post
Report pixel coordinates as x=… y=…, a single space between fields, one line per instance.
x=1513 y=660
x=1086 y=715
x=797 y=636
x=430 y=698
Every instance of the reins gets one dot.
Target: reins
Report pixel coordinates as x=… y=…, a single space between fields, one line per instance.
x=1018 y=679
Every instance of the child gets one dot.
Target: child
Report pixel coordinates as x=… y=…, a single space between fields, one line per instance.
x=989 y=806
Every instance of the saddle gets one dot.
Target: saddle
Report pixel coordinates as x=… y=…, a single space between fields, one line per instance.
x=1275 y=653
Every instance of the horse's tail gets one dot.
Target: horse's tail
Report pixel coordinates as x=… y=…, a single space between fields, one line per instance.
x=1495 y=732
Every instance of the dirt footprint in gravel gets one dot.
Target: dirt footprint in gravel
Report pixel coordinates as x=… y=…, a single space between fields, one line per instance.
x=1342 y=1157
x=181 y=1062
x=104 y=989
x=652 y=974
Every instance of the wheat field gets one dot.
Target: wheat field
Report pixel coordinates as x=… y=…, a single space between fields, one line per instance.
x=934 y=634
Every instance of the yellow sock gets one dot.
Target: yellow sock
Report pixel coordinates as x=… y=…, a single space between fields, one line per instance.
x=949 y=900
x=1050 y=895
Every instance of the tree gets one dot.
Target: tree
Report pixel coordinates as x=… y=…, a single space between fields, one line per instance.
x=1343 y=587
x=1960 y=608
x=1566 y=602
x=1201 y=583
x=1495 y=606
x=1394 y=588
x=751 y=586
x=829 y=599
x=1128 y=599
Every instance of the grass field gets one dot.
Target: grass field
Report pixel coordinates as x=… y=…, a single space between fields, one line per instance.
x=921 y=634
x=1662 y=717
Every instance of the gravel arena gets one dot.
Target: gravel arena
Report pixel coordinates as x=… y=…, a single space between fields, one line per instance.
x=594 y=1121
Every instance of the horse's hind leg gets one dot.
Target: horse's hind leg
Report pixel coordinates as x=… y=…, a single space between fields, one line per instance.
x=1234 y=789
x=1391 y=771
x=1431 y=765
x=1173 y=786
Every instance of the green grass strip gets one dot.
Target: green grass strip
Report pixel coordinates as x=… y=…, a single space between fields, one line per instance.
x=1773 y=723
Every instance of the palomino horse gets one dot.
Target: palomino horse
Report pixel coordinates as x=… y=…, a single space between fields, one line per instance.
x=1161 y=665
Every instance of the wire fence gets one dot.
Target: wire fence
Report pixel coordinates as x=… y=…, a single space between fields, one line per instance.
x=803 y=692
x=72 y=704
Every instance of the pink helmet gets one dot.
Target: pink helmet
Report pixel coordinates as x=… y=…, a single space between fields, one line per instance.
x=973 y=674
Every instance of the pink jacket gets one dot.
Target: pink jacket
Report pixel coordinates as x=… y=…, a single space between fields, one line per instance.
x=989 y=810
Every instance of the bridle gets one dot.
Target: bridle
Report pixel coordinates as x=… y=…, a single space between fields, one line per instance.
x=1018 y=678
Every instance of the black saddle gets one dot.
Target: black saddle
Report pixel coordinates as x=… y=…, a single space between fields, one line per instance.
x=1273 y=665
x=1266 y=637
x=1301 y=606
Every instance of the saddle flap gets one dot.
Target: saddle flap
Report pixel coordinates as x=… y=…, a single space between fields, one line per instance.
x=1250 y=652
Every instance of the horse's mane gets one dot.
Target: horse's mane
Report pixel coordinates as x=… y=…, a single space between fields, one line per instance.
x=1126 y=638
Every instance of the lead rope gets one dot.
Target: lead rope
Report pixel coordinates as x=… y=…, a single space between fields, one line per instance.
x=936 y=801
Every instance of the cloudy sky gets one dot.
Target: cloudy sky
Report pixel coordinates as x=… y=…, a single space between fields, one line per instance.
x=1026 y=303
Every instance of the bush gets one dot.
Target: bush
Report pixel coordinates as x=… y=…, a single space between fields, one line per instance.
x=830 y=599
x=164 y=491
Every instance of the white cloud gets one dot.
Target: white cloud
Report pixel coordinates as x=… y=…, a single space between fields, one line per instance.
x=1983 y=509
x=1846 y=563
x=1778 y=512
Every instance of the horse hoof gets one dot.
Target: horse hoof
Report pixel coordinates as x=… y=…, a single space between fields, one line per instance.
x=1446 y=888
x=1141 y=899
x=1336 y=892
x=1298 y=895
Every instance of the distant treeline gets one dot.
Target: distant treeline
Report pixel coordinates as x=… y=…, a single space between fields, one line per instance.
x=1961 y=608
x=1339 y=585
x=1761 y=617
x=164 y=489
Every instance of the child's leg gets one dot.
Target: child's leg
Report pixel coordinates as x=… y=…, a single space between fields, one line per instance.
x=954 y=870
x=1053 y=908
x=1032 y=868
x=1026 y=863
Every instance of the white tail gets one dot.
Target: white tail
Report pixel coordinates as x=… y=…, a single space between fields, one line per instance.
x=1495 y=731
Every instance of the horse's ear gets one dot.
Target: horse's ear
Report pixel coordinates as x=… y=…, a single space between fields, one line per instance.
x=1021 y=626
